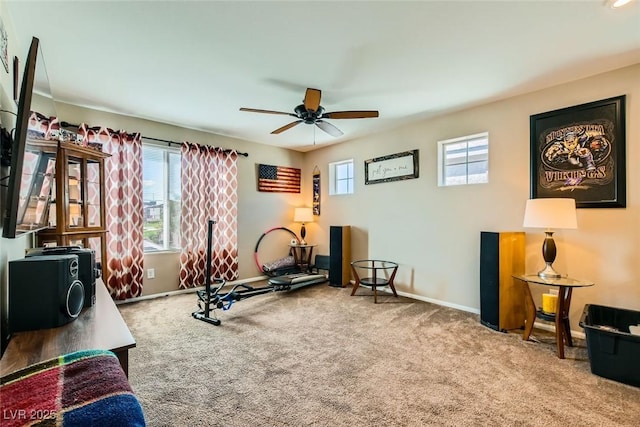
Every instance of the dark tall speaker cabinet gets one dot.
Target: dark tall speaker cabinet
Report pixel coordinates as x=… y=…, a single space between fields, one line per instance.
x=339 y=255
x=502 y=305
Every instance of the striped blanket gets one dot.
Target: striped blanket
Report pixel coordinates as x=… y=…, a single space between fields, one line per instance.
x=85 y=388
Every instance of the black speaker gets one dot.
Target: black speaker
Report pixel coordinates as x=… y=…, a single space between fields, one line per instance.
x=339 y=255
x=87 y=272
x=501 y=297
x=44 y=292
x=489 y=295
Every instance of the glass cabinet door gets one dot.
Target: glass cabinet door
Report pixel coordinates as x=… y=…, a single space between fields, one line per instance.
x=93 y=195
x=53 y=212
x=75 y=190
x=35 y=190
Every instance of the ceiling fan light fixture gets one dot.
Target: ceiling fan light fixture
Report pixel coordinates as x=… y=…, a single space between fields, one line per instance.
x=312 y=113
x=616 y=4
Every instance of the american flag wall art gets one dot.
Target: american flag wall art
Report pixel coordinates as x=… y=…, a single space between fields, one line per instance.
x=278 y=179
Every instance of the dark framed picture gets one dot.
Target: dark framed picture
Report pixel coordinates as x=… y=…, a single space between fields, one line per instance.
x=316 y=191
x=579 y=152
x=394 y=167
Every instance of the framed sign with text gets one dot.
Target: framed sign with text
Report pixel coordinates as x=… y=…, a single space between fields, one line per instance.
x=579 y=152
x=394 y=167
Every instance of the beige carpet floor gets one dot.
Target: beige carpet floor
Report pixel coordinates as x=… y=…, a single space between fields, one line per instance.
x=319 y=357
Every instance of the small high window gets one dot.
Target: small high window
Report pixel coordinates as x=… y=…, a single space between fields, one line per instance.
x=464 y=160
x=341 y=177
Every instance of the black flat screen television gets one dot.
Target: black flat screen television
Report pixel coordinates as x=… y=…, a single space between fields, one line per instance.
x=15 y=204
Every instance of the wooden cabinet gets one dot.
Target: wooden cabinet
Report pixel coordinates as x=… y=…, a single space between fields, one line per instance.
x=502 y=303
x=76 y=209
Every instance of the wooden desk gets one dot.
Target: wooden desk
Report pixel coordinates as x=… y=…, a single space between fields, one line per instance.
x=97 y=327
x=565 y=286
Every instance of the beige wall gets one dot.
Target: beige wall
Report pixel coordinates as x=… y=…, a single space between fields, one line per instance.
x=257 y=211
x=434 y=232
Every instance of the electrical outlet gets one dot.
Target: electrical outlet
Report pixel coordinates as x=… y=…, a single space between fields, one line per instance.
x=151 y=273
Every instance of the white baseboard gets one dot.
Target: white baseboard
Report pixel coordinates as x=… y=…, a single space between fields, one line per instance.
x=187 y=291
x=431 y=300
x=546 y=326
x=539 y=324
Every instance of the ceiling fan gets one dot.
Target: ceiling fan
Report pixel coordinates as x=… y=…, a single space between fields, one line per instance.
x=311 y=112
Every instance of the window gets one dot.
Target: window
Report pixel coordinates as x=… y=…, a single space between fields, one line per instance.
x=161 y=197
x=341 y=177
x=464 y=160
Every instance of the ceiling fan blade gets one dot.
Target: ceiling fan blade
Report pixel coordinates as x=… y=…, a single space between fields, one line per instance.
x=255 y=110
x=350 y=114
x=312 y=99
x=286 y=127
x=329 y=128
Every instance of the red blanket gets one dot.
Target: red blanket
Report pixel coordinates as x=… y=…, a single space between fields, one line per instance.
x=85 y=388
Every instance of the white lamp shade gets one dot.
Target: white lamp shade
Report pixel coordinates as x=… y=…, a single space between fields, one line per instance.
x=550 y=213
x=303 y=215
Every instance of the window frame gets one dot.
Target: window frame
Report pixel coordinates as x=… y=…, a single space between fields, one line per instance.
x=166 y=194
x=442 y=167
x=333 y=178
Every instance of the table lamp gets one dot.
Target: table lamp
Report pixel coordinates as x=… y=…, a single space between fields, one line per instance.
x=303 y=215
x=550 y=214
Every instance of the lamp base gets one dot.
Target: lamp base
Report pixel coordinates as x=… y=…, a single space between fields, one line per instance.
x=303 y=233
x=549 y=273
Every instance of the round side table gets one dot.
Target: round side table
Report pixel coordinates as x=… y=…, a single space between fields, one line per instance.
x=375 y=273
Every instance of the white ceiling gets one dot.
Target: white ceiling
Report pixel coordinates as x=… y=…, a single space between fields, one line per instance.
x=194 y=64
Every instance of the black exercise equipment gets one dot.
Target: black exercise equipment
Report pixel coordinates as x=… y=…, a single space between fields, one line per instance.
x=283 y=269
x=213 y=296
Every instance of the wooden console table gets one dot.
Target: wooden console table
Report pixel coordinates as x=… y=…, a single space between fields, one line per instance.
x=97 y=327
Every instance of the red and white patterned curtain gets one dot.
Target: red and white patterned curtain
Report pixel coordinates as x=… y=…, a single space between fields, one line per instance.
x=123 y=200
x=209 y=191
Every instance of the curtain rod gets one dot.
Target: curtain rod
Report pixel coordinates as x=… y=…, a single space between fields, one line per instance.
x=67 y=124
